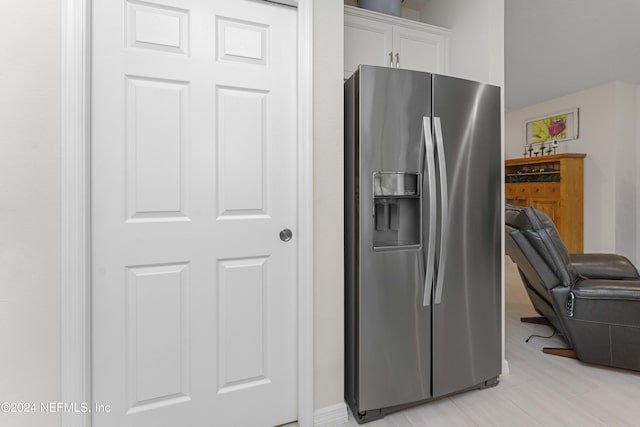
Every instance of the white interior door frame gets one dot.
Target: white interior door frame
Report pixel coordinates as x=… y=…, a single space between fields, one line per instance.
x=75 y=261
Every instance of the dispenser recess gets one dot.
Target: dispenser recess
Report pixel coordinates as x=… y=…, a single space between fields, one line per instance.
x=396 y=210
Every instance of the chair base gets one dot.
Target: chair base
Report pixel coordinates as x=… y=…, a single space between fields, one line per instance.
x=562 y=352
x=538 y=320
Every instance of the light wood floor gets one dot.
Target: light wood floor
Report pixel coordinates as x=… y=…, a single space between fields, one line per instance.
x=540 y=390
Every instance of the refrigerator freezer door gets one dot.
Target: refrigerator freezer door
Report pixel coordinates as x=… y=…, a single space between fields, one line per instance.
x=394 y=341
x=467 y=321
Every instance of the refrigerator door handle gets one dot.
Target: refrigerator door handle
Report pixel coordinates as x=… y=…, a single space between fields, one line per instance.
x=444 y=211
x=430 y=175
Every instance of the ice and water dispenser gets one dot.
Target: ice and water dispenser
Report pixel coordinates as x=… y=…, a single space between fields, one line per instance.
x=396 y=209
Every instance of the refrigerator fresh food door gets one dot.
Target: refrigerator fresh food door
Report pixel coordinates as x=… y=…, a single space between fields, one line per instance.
x=467 y=296
x=394 y=342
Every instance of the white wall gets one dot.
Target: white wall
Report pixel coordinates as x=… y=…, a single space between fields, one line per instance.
x=626 y=178
x=29 y=208
x=476 y=50
x=608 y=134
x=328 y=201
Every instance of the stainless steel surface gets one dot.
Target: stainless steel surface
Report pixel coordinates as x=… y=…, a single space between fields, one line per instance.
x=400 y=348
x=394 y=361
x=467 y=331
x=444 y=210
x=430 y=178
x=391 y=184
x=286 y=235
x=397 y=60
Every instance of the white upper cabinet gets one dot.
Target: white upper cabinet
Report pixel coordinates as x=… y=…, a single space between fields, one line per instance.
x=366 y=41
x=372 y=38
x=419 y=50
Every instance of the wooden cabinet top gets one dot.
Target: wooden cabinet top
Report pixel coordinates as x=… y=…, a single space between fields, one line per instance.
x=543 y=159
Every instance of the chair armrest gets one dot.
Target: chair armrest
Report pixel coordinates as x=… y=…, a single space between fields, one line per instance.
x=603 y=266
x=608 y=289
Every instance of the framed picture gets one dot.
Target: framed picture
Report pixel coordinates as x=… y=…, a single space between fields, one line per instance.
x=562 y=126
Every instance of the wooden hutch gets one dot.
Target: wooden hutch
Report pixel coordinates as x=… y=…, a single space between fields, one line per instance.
x=553 y=184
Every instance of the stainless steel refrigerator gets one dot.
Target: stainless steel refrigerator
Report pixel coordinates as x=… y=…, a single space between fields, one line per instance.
x=422 y=238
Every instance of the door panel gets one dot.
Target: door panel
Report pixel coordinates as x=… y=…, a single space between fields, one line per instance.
x=193 y=177
x=156 y=144
x=157 y=297
x=549 y=207
x=419 y=50
x=467 y=323
x=236 y=107
x=367 y=42
x=241 y=321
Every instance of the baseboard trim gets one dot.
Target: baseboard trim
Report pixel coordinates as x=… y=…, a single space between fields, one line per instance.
x=331 y=415
x=505 y=367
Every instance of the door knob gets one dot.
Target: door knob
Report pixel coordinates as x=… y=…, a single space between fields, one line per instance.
x=285 y=235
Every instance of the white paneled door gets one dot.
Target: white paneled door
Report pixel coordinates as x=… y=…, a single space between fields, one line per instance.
x=193 y=174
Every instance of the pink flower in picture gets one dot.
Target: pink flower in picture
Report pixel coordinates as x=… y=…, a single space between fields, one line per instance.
x=556 y=128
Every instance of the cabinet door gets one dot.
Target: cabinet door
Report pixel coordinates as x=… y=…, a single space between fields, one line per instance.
x=365 y=42
x=518 y=190
x=419 y=50
x=551 y=208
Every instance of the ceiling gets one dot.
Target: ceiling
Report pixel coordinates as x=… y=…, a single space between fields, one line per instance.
x=557 y=47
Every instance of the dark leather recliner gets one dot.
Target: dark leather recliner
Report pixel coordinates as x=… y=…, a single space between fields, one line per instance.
x=593 y=300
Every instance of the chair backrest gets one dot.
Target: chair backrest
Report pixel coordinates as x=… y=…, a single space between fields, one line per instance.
x=533 y=243
x=536 y=234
